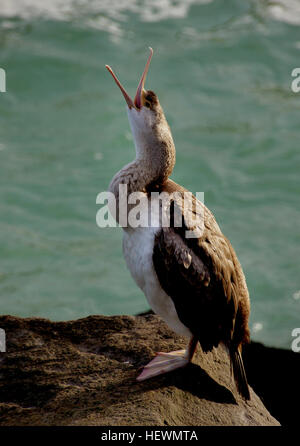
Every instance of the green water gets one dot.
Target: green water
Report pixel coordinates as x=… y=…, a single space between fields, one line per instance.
x=222 y=71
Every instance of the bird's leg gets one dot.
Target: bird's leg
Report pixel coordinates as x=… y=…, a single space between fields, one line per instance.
x=166 y=362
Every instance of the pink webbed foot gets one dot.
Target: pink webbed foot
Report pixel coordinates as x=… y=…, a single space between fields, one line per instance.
x=163 y=363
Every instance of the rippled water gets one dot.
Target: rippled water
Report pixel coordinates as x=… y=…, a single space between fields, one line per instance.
x=222 y=71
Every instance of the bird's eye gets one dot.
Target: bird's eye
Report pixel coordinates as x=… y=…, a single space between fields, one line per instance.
x=147 y=104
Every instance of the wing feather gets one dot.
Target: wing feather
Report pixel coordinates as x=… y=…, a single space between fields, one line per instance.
x=202 y=275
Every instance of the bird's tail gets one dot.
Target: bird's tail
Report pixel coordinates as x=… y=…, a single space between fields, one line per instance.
x=239 y=374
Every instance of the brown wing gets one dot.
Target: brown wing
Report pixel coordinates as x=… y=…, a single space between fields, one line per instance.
x=203 y=277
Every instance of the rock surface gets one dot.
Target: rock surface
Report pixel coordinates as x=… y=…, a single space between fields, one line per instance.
x=84 y=372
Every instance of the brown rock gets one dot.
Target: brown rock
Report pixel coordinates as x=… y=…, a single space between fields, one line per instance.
x=83 y=373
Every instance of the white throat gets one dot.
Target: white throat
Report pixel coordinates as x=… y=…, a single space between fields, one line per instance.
x=141 y=123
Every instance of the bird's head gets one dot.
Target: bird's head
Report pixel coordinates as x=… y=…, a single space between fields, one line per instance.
x=151 y=133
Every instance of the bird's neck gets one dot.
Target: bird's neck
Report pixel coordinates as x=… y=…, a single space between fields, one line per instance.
x=153 y=165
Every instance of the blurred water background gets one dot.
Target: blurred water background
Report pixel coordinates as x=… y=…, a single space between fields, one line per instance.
x=222 y=70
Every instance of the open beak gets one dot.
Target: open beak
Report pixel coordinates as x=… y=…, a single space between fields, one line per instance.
x=139 y=98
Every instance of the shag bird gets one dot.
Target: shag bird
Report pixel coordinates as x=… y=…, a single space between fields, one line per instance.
x=196 y=284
